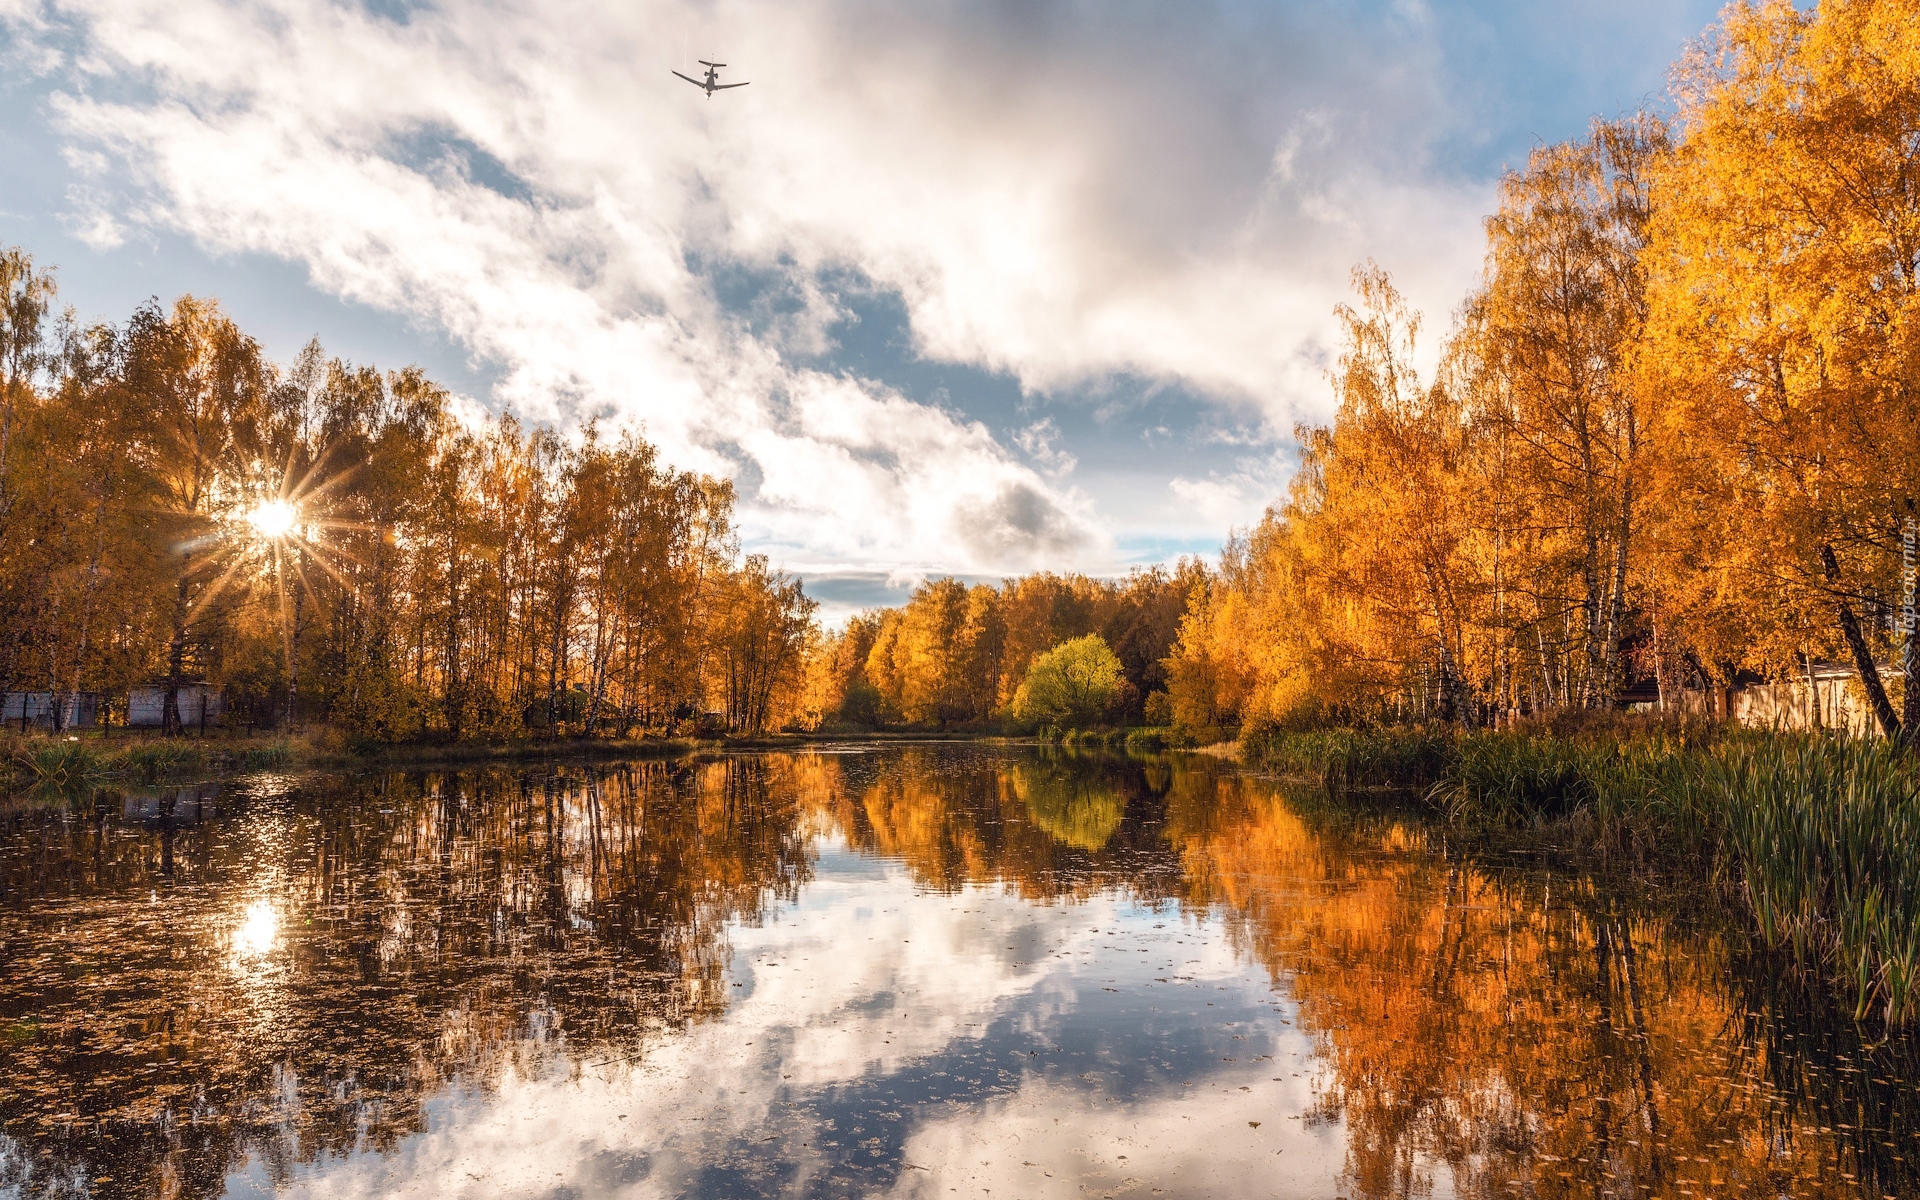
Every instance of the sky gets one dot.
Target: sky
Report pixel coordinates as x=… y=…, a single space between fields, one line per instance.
x=967 y=287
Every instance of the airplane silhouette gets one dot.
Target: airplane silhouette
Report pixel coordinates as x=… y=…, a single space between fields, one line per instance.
x=712 y=83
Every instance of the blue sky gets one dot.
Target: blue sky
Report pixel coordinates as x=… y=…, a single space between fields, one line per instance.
x=966 y=287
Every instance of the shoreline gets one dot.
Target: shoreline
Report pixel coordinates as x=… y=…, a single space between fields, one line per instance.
x=105 y=758
x=1793 y=828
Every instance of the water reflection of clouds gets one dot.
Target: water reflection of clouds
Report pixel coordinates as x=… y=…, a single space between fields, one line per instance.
x=898 y=972
x=887 y=1039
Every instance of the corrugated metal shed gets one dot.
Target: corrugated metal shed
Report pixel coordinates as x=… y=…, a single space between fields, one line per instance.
x=199 y=702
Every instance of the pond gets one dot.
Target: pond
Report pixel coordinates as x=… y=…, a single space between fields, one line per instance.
x=938 y=969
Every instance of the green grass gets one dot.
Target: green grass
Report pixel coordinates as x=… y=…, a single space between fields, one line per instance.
x=158 y=759
x=1148 y=738
x=265 y=756
x=55 y=762
x=1085 y=739
x=1637 y=794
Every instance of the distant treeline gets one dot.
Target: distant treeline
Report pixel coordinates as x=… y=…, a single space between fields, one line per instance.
x=955 y=656
x=1674 y=436
x=334 y=543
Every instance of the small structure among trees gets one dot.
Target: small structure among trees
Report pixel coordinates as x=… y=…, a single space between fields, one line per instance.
x=198 y=705
x=49 y=710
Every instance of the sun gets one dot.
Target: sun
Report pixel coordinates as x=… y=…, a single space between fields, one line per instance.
x=272 y=519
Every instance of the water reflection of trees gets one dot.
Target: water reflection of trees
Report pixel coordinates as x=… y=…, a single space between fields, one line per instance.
x=1532 y=1034
x=1049 y=824
x=415 y=931
x=1489 y=1029
x=1517 y=1031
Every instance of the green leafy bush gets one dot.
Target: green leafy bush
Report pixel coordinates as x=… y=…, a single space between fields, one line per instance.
x=1072 y=686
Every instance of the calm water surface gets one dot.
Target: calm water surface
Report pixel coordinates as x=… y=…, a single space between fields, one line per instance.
x=932 y=970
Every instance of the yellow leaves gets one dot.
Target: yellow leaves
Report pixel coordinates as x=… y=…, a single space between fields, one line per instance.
x=1785 y=313
x=1688 y=369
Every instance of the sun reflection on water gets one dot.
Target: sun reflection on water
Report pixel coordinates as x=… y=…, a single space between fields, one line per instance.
x=258 y=933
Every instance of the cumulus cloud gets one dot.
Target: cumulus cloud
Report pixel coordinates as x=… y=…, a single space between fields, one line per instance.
x=1060 y=191
x=1041 y=442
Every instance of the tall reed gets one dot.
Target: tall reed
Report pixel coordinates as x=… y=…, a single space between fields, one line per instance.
x=1820 y=834
x=1827 y=832
x=1347 y=760
x=1498 y=779
x=57 y=762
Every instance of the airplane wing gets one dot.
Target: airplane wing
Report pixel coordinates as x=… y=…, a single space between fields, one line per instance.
x=690 y=79
x=724 y=86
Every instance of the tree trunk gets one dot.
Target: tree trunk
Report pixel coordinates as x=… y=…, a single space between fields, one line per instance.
x=170 y=723
x=1661 y=685
x=1910 y=656
x=293 y=646
x=1549 y=677
x=1857 y=643
x=1814 y=720
x=1911 y=674
x=1617 y=602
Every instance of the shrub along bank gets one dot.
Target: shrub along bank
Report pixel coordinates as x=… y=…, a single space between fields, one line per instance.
x=62 y=762
x=1820 y=835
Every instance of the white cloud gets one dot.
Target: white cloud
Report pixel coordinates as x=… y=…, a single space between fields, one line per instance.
x=1231 y=498
x=90 y=219
x=1041 y=442
x=1056 y=192
x=1220 y=502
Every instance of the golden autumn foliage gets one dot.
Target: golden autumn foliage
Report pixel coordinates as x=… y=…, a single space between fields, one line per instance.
x=332 y=542
x=1674 y=436
x=1786 y=331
